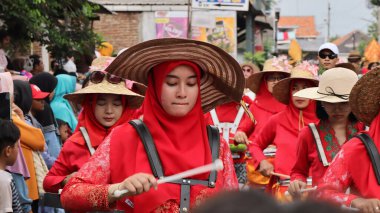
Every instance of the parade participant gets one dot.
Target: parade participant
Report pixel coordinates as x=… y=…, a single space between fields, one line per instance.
x=264 y=106
x=227 y=118
x=60 y=106
x=185 y=78
x=320 y=142
x=327 y=56
x=107 y=103
x=283 y=128
x=356 y=165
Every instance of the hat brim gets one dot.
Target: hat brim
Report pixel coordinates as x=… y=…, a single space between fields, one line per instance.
x=222 y=79
x=365 y=97
x=254 y=81
x=134 y=100
x=41 y=95
x=281 y=91
x=312 y=93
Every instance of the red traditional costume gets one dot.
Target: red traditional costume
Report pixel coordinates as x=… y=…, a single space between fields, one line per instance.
x=352 y=167
x=75 y=152
x=181 y=143
x=307 y=153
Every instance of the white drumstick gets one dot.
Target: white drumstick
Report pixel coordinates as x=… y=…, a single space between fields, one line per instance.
x=216 y=166
x=303 y=190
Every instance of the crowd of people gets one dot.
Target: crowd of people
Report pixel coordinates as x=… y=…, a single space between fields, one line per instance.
x=105 y=142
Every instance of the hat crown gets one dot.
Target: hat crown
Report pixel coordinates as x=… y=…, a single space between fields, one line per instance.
x=339 y=81
x=305 y=70
x=101 y=63
x=280 y=64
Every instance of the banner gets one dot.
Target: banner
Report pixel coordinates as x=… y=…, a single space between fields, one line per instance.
x=236 y=5
x=222 y=34
x=171 y=24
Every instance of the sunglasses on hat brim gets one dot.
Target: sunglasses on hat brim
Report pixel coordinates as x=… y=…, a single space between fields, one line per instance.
x=98 y=76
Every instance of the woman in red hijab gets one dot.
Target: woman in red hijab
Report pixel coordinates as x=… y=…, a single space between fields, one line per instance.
x=283 y=128
x=185 y=78
x=262 y=108
x=107 y=103
x=352 y=167
x=336 y=126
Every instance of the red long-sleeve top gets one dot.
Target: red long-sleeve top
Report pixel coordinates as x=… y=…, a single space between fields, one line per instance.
x=307 y=153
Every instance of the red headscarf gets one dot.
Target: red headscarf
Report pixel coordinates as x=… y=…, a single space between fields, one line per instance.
x=95 y=130
x=297 y=118
x=266 y=101
x=181 y=142
x=374 y=131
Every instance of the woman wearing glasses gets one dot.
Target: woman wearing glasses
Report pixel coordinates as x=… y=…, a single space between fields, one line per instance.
x=185 y=78
x=282 y=129
x=263 y=107
x=319 y=143
x=107 y=103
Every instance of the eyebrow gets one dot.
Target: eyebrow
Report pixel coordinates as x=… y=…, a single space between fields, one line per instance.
x=174 y=76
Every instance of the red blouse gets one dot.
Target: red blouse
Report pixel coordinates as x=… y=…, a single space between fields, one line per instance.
x=71 y=158
x=307 y=154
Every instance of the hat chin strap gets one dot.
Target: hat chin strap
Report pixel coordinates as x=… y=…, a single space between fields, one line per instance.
x=332 y=93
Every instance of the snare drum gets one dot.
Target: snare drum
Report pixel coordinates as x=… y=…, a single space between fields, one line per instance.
x=281 y=187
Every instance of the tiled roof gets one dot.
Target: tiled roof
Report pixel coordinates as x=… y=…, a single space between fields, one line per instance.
x=141 y=2
x=305 y=25
x=342 y=39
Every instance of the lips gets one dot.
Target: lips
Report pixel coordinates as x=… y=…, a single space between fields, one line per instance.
x=108 y=119
x=181 y=104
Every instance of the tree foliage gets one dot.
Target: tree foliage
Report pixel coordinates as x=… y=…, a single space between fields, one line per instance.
x=62 y=26
x=375 y=2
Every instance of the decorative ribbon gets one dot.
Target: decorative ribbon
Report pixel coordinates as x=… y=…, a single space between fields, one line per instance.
x=330 y=92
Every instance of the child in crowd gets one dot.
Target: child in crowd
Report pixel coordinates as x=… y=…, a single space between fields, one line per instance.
x=9 y=137
x=64 y=130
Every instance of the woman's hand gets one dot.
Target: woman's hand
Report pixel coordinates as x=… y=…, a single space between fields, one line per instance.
x=266 y=168
x=68 y=177
x=241 y=137
x=135 y=184
x=295 y=187
x=366 y=205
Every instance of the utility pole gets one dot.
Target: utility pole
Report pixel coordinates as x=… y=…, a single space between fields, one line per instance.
x=328 y=21
x=189 y=14
x=378 y=23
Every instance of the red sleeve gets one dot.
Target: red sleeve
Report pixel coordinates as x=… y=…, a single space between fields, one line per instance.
x=262 y=140
x=70 y=159
x=300 y=169
x=246 y=125
x=336 y=181
x=88 y=189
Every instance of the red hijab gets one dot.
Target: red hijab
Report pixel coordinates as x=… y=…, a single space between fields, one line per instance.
x=296 y=118
x=95 y=130
x=266 y=101
x=181 y=142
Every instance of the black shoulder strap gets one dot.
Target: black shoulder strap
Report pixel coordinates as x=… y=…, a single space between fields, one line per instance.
x=372 y=152
x=150 y=148
x=214 y=140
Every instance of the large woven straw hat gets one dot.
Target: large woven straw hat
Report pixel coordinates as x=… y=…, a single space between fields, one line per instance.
x=279 y=65
x=222 y=79
x=365 y=96
x=281 y=91
x=334 y=86
x=134 y=100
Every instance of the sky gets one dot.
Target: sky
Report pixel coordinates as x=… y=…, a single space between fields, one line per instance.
x=346 y=15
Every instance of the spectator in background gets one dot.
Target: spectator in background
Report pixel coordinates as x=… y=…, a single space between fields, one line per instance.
x=355 y=58
x=47 y=83
x=64 y=130
x=38 y=65
x=9 y=139
x=327 y=56
x=5 y=40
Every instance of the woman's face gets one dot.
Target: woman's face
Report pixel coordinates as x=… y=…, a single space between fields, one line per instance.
x=108 y=109
x=298 y=102
x=272 y=79
x=337 y=111
x=179 y=91
x=247 y=71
